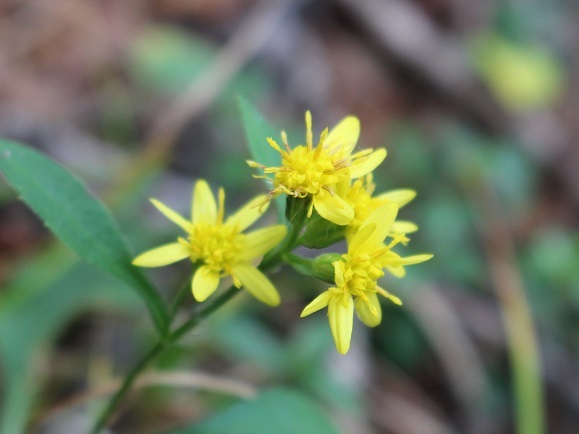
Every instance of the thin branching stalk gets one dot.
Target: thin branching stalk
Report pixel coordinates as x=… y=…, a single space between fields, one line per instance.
x=522 y=341
x=289 y=243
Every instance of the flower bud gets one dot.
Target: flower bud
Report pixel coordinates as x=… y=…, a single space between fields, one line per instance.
x=323 y=268
x=321 y=233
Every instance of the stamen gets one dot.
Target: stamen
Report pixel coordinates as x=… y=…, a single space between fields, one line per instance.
x=389 y=296
x=311 y=210
x=254 y=164
x=274 y=145
x=329 y=190
x=379 y=252
x=285 y=142
x=370 y=186
x=340 y=164
x=262 y=202
x=362 y=153
x=221 y=209
x=373 y=310
x=236 y=281
x=309 y=137
x=397 y=239
x=321 y=143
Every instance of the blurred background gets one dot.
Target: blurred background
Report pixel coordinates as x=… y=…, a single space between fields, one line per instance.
x=478 y=106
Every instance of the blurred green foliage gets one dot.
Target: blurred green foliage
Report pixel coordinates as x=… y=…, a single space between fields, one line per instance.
x=524 y=74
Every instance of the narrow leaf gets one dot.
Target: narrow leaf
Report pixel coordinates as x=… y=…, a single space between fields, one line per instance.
x=76 y=217
x=280 y=411
x=32 y=316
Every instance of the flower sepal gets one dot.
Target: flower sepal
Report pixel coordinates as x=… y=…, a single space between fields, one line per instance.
x=323 y=267
x=321 y=233
x=302 y=265
x=297 y=208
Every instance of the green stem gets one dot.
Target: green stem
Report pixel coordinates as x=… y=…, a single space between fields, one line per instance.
x=159 y=347
x=525 y=362
x=302 y=265
x=297 y=218
x=522 y=341
x=205 y=311
x=180 y=297
x=127 y=383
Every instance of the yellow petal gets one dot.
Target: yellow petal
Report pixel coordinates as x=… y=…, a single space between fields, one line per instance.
x=249 y=213
x=382 y=217
x=411 y=260
x=344 y=135
x=343 y=184
x=204 y=208
x=163 y=255
x=256 y=283
x=389 y=296
x=369 y=311
x=259 y=242
x=400 y=197
x=339 y=270
x=174 y=216
x=403 y=227
x=333 y=208
x=399 y=272
x=204 y=283
x=341 y=318
x=359 y=240
x=318 y=303
x=363 y=166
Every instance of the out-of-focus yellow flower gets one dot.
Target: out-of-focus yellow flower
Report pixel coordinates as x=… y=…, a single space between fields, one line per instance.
x=359 y=197
x=356 y=276
x=521 y=76
x=218 y=246
x=318 y=172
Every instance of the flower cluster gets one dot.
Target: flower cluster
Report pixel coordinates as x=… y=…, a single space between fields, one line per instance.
x=338 y=181
x=330 y=192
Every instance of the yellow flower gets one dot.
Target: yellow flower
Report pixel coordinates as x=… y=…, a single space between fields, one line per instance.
x=317 y=172
x=359 y=197
x=219 y=246
x=356 y=276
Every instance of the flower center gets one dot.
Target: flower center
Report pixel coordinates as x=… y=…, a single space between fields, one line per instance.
x=218 y=246
x=306 y=171
x=360 y=274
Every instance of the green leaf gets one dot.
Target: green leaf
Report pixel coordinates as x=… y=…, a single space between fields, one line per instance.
x=76 y=217
x=244 y=338
x=30 y=320
x=257 y=130
x=279 y=411
x=166 y=59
